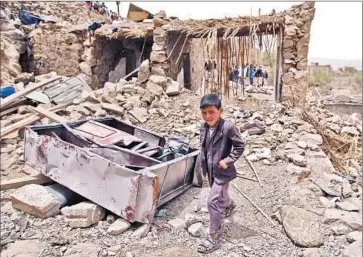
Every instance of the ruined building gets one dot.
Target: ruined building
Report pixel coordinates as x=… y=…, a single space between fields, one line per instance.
x=170 y=45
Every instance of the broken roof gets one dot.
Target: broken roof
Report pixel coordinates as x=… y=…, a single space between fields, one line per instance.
x=228 y=26
x=126 y=29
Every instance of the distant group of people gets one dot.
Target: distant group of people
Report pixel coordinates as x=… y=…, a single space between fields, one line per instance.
x=252 y=75
x=102 y=9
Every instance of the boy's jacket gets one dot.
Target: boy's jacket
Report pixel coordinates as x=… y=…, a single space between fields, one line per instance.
x=226 y=136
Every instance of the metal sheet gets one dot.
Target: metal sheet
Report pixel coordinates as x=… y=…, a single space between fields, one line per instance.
x=96 y=178
x=105 y=135
x=133 y=195
x=147 y=137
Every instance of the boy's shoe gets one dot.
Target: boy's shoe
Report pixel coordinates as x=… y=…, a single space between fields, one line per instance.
x=209 y=245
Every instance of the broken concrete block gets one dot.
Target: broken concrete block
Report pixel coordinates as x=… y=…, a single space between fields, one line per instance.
x=173 y=88
x=297 y=159
x=352 y=219
x=35 y=200
x=140 y=114
x=154 y=89
x=144 y=71
x=142 y=231
x=196 y=229
x=177 y=223
x=118 y=227
x=83 y=214
x=330 y=184
x=113 y=108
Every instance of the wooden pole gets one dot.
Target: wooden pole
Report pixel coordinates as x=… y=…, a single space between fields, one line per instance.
x=254 y=205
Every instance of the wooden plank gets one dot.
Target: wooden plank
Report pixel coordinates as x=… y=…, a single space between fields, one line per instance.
x=10 y=99
x=27 y=180
x=51 y=115
x=8 y=111
x=28 y=121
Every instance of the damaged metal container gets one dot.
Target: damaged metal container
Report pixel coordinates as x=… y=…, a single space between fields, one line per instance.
x=116 y=165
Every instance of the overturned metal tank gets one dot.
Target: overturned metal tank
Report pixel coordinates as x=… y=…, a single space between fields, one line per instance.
x=118 y=166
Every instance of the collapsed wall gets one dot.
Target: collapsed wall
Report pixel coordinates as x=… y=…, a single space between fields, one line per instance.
x=295 y=47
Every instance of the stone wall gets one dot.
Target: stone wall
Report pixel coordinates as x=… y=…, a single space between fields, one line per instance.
x=156 y=73
x=56 y=49
x=295 y=47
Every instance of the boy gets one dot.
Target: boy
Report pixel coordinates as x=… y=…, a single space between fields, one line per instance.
x=217 y=137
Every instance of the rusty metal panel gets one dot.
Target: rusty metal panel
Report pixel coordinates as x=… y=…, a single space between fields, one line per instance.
x=147 y=137
x=101 y=174
x=105 y=135
x=98 y=179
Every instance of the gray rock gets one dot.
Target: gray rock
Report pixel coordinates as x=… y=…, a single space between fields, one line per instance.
x=353 y=250
x=297 y=159
x=177 y=223
x=302 y=144
x=352 y=219
x=354 y=236
x=347 y=189
x=347 y=206
x=350 y=130
x=191 y=219
x=326 y=202
x=20 y=220
x=142 y=231
x=173 y=88
x=276 y=128
x=118 y=227
x=293 y=169
x=196 y=229
x=140 y=114
x=340 y=229
x=23 y=248
x=312 y=138
x=312 y=252
x=330 y=184
x=301 y=226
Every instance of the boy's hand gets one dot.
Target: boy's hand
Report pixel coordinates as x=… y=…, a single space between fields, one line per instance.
x=222 y=165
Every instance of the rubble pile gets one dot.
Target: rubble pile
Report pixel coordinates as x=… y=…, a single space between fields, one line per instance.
x=56 y=44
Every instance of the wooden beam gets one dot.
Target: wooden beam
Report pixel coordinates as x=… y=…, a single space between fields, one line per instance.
x=8 y=111
x=28 y=121
x=51 y=115
x=27 y=180
x=244 y=31
x=10 y=99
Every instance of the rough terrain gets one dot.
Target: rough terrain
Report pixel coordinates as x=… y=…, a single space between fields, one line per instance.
x=312 y=208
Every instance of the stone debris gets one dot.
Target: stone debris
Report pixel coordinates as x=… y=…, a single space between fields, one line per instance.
x=35 y=200
x=354 y=236
x=23 y=248
x=330 y=184
x=353 y=250
x=118 y=227
x=347 y=206
x=297 y=159
x=83 y=214
x=196 y=229
x=142 y=231
x=351 y=219
x=301 y=227
x=177 y=223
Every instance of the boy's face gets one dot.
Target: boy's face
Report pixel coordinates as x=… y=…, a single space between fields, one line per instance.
x=211 y=115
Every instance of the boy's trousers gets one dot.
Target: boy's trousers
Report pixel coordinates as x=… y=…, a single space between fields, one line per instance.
x=218 y=201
